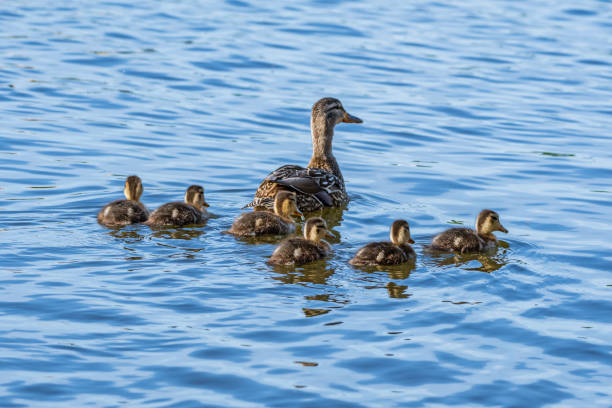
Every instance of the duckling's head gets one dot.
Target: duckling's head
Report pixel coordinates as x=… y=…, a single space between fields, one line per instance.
x=400 y=233
x=328 y=112
x=487 y=222
x=315 y=229
x=195 y=196
x=285 y=204
x=133 y=188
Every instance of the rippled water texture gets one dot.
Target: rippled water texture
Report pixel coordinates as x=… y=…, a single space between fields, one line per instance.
x=466 y=105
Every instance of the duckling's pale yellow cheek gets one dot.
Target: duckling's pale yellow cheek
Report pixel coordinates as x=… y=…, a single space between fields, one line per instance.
x=297 y=252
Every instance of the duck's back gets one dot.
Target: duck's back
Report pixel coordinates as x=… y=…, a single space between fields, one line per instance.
x=261 y=223
x=458 y=239
x=297 y=251
x=123 y=212
x=177 y=213
x=315 y=188
x=383 y=253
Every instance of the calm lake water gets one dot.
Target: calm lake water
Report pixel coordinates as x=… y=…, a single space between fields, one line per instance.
x=466 y=105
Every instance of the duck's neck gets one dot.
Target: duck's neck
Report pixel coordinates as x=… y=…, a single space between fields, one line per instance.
x=488 y=236
x=322 y=156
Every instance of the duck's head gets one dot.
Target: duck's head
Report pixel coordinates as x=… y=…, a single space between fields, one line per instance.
x=400 y=233
x=133 y=188
x=195 y=197
x=315 y=229
x=487 y=222
x=285 y=204
x=328 y=112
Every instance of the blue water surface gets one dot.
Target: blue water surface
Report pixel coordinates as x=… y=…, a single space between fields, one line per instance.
x=466 y=105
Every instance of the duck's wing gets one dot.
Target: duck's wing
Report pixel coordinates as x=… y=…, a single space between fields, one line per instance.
x=379 y=253
x=317 y=183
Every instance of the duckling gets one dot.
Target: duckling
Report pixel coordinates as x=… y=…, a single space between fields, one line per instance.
x=321 y=183
x=466 y=239
x=303 y=250
x=181 y=213
x=263 y=222
x=128 y=211
x=388 y=253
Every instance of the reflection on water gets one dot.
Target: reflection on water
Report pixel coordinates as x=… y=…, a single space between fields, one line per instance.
x=317 y=272
x=489 y=261
x=184 y=233
x=396 y=272
x=397 y=291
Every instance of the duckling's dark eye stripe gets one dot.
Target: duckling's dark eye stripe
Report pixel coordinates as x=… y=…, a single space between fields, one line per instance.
x=335 y=106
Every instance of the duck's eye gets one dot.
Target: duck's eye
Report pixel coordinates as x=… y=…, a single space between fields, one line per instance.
x=494 y=218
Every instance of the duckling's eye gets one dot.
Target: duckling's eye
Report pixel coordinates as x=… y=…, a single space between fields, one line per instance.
x=494 y=218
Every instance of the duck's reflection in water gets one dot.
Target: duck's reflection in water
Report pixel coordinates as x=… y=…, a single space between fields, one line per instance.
x=177 y=233
x=489 y=261
x=372 y=274
x=128 y=234
x=262 y=239
x=317 y=272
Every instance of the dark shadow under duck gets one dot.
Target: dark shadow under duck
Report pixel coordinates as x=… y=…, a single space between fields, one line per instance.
x=128 y=211
x=320 y=184
x=299 y=251
x=396 y=252
x=258 y=223
x=178 y=213
x=464 y=240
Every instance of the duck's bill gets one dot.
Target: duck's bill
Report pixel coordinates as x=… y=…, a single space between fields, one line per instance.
x=348 y=118
x=502 y=229
x=329 y=234
x=297 y=213
x=205 y=204
x=411 y=241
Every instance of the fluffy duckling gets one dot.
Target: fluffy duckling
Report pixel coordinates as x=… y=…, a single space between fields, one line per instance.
x=263 y=222
x=320 y=184
x=128 y=211
x=465 y=239
x=388 y=253
x=178 y=213
x=303 y=250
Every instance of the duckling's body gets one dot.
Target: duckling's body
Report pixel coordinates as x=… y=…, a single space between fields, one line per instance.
x=299 y=251
x=263 y=222
x=396 y=252
x=128 y=211
x=178 y=213
x=468 y=240
x=320 y=184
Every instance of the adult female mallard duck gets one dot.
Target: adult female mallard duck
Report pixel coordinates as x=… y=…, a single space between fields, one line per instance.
x=178 y=213
x=395 y=252
x=128 y=211
x=321 y=183
x=298 y=251
x=263 y=222
x=466 y=239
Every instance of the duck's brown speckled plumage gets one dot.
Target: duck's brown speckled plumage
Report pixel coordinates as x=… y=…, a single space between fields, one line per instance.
x=128 y=211
x=321 y=183
x=263 y=222
x=299 y=251
x=181 y=213
x=396 y=252
x=464 y=240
